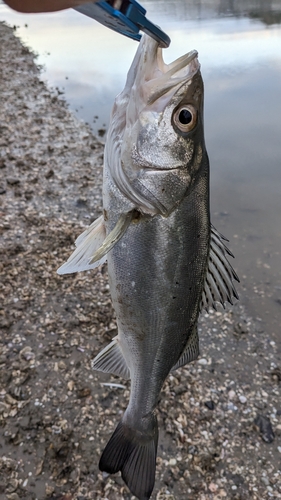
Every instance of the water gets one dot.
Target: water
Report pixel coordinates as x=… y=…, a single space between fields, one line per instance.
x=239 y=44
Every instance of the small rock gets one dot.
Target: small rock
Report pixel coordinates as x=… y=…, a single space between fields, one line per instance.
x=12 y=181
x=13 y=496
x=210 y=405
x=49 y=174
x=203 y=361
x=242 y=399
x=3 y=407
x=20 y=163
x=192 y=450
x=49 y=490
x=241 y=328
x=84 y=393
x=276 y=374
x=101 y=132
x=231 y=407
x=70 y=385
x=213 y=487
x=265 y=428
x=231 y=394
x=12 y=485
x=10 y=400
x=265 y=480
x=81 y=202
x=27 y=354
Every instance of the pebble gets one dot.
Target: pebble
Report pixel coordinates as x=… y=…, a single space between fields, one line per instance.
x=242 y=399
x=231 y=407
x=203 y=361
x=12 y=181
x=265 y=428
x=231 y=394
x=265 y=480
x=210 y=405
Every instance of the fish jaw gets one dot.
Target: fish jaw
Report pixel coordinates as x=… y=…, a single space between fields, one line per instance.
x=148 y=147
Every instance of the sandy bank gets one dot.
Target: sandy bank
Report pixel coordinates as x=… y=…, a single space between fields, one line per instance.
x=219 y=418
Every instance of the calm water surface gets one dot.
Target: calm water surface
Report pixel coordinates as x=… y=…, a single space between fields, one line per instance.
x=239 y=44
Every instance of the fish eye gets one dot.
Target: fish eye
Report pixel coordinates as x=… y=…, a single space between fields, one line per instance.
x=185 y=118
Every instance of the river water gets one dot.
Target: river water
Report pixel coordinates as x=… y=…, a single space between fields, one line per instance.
x=239 y=44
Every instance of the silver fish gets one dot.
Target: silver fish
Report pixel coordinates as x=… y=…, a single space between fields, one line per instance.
x=165 y=261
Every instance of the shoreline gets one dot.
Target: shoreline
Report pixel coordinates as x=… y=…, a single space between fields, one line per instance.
x=216 y=415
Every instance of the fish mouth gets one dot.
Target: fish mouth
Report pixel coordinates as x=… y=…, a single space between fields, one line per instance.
x=174 y=74
x=153 y=82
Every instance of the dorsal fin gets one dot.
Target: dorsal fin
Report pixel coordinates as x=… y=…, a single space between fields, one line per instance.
x=219 y=286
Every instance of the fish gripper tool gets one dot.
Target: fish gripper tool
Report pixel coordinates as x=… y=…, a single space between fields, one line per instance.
x=127 y=17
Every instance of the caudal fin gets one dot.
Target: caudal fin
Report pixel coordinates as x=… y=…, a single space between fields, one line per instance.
x=134 y=453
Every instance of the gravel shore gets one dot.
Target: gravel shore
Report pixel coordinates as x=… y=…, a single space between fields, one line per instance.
x=219 y=417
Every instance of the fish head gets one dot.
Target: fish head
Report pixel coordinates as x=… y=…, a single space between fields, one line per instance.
x=162 y=142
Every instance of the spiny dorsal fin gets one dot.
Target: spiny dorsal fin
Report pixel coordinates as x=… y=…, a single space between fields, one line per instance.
x=111 y=360
x=87 y=244
x=219 y=285
x=191 y=351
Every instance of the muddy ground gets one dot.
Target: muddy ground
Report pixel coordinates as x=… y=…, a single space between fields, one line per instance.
x=219 y=418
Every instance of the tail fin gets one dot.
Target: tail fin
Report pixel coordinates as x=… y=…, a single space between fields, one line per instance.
x=133 y=452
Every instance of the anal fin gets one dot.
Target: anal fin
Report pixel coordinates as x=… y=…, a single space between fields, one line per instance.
x=191 y=351
x=111 y=360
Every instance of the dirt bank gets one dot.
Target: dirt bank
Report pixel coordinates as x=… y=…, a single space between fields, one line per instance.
x=219 y=418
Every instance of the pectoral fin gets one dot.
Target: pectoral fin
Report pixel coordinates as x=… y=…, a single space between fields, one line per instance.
x=93 y=245
x=113 y=237
x=191 y=351
x=111 y=360
x=87 y=244
x=219 y=285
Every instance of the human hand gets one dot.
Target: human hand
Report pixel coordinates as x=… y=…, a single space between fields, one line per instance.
x=29 y=6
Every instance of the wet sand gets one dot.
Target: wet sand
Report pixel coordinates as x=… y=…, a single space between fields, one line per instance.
x=219 y=418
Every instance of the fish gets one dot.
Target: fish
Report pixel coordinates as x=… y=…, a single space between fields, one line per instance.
x=166 y=262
